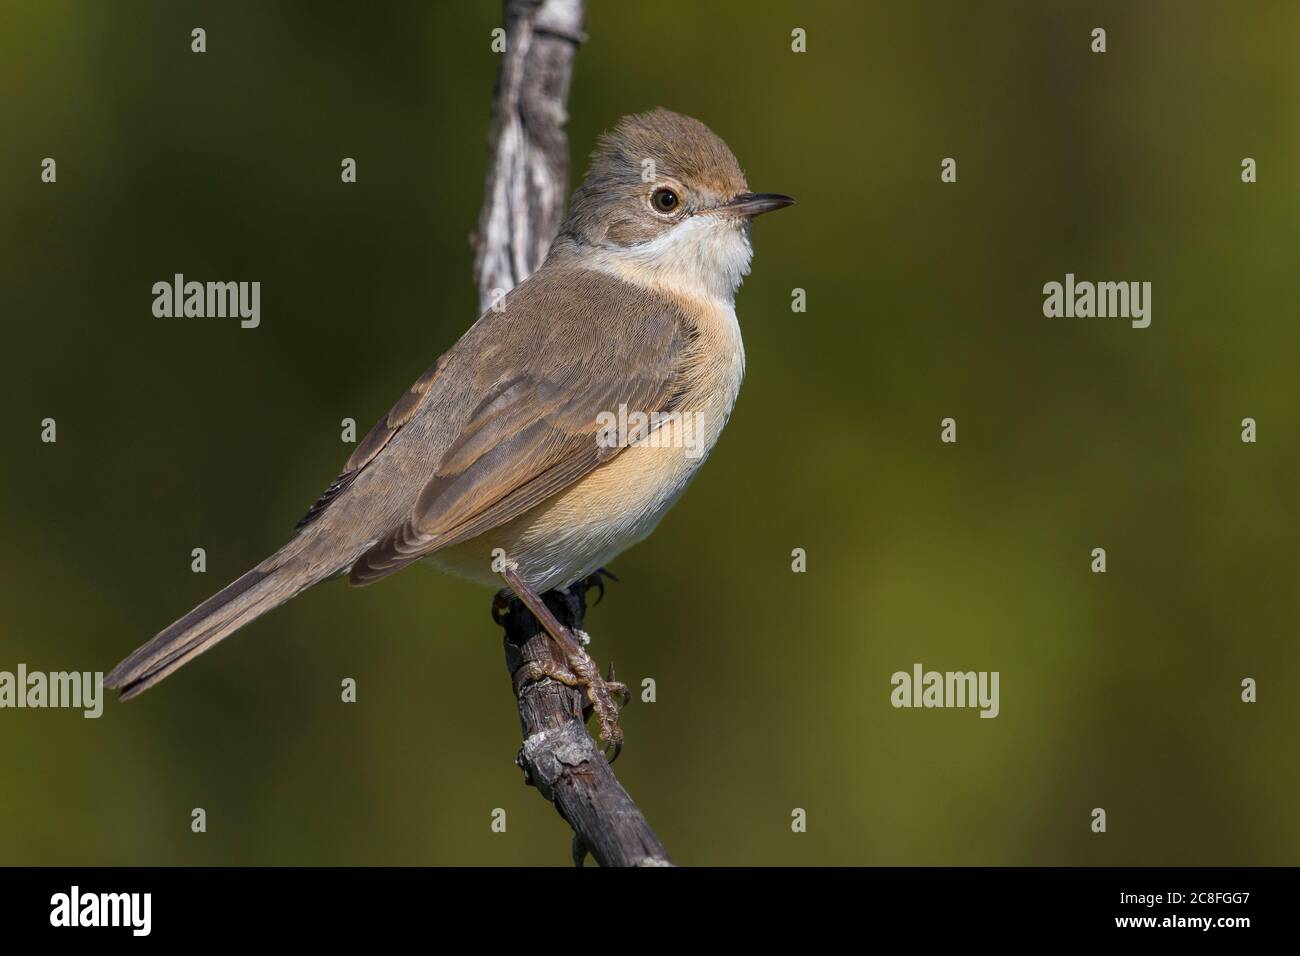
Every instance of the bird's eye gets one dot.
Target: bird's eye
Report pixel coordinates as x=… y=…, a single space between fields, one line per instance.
x=664 y=200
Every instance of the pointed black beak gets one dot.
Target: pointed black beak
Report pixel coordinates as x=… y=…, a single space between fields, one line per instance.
x=753 y=204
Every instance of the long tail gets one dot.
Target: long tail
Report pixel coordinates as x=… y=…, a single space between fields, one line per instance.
x=280 y=577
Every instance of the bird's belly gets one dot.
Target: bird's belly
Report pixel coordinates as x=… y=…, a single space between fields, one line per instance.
x=570 y=535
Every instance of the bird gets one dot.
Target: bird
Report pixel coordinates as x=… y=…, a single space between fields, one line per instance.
x=499 y=463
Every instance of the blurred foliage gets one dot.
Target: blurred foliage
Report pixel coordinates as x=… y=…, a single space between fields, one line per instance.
x=924 y=301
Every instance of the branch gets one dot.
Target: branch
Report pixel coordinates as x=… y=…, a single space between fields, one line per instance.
x=527 y=182
x=528 y=166
x=559 y=757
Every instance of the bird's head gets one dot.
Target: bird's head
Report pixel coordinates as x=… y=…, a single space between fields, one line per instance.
x=666 y=201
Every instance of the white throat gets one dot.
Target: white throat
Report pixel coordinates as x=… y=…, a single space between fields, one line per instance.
x=704 y=256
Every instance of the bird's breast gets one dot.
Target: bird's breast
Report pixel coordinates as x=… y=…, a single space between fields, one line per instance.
x=621 y=501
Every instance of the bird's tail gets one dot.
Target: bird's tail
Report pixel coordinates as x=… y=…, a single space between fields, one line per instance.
x=288 y=572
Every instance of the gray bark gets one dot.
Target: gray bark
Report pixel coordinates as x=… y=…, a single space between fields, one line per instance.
x=528 y=165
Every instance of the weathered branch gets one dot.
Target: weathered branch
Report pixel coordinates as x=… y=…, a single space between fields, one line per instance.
x=559 y=757
x=527 y=182
x=528 y=165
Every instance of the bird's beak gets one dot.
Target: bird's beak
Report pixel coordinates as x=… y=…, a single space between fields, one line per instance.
x=749 y=205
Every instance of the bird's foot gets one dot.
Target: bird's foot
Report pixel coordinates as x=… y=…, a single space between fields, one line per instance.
x=607 y=697
x=603 y=693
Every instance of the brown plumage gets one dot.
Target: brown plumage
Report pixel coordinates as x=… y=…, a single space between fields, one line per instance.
x=495 y=445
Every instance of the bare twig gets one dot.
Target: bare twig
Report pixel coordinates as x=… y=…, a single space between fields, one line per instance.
x=527 y=181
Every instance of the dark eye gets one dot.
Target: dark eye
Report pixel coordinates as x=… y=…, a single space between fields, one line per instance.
x=664 y=200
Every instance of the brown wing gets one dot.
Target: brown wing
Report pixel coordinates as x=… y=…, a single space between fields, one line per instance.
x=375 y=441
x=534 y=429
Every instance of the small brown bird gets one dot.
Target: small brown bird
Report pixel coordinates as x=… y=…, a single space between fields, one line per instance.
x=506 y=451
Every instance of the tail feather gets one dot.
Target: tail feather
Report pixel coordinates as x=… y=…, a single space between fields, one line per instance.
x=273 y=582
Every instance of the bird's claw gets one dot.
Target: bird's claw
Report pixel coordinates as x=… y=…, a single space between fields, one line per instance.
x=578 y=669
x=596 y=580
x=604 y=695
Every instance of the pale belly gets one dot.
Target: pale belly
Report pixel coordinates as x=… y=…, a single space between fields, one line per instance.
x=582 y=528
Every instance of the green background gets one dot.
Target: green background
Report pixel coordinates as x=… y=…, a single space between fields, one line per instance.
x=1119 y=690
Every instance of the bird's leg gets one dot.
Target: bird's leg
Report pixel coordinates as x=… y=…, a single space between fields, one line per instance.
x=582 y=671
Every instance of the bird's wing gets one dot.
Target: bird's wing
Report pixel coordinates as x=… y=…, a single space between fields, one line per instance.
x=375 y=441
x=535 y=377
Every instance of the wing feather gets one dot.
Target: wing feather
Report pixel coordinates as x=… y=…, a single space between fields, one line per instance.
x=375 y=441
x=533 y=431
